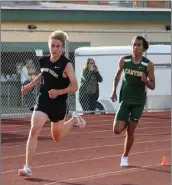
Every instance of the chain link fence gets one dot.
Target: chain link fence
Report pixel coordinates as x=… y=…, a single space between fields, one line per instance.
x=21 y=49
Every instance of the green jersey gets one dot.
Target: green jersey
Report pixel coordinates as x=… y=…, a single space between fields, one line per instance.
x=133 y=90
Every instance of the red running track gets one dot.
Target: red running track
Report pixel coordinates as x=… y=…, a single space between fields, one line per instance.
x=89 y=156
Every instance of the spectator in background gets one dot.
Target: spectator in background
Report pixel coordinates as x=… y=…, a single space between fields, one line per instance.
x=89 y=88
x=26 y=79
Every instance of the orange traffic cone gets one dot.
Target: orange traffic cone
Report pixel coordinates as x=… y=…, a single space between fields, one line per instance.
x=164 y=161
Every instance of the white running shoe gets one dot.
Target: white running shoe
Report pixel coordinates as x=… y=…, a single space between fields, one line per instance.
x=81 y=122
x=124 y=162
x=26 y=171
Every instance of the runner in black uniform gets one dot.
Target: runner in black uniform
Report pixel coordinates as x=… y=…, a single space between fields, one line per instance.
x=57 y=79
x=52 y=78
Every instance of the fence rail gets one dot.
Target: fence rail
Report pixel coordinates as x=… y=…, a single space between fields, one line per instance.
x=21 y=45
x=85 y=31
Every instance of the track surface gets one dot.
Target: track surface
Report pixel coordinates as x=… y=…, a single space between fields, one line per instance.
x=89 y=156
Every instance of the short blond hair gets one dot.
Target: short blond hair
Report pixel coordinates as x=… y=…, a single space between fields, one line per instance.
x=59 y=35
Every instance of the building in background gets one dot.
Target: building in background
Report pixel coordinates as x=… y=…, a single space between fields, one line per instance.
x=77 y=20
x=126 y=3
x=90 y=24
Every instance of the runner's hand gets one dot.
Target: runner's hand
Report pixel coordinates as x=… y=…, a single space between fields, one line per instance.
x=53 y=93
x=114 y=97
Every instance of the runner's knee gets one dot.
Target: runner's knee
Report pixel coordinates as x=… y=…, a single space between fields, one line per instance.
x=118 y=126
x=37 y=121
x=56 y=131
x=117 y=131
x=131 y=128
x=34 y=132
x=56 y=137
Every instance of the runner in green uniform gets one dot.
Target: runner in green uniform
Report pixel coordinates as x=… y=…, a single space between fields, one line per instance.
x=138 y=74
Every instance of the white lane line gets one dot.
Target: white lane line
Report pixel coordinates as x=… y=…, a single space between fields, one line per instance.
x=84 y=160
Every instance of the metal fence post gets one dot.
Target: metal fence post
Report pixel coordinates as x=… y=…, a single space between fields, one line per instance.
x=145 y=54
x=67 y=49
